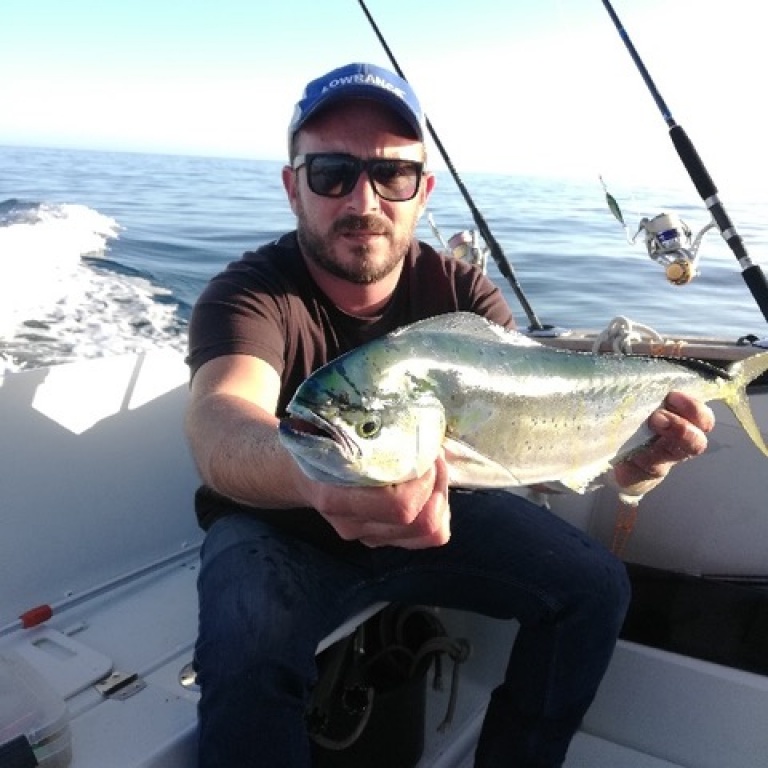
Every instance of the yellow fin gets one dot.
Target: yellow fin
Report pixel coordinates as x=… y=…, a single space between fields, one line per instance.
x=743 y=372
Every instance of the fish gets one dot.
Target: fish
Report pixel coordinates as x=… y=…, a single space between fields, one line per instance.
x=506 y=410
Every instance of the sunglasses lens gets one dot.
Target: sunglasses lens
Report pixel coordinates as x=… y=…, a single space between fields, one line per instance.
x=395 y=180
x=332 y=175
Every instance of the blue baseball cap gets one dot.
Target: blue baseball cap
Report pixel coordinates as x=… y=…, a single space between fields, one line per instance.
x=359 y=81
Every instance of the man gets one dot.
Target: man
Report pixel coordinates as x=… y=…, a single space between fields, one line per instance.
x=286 y=558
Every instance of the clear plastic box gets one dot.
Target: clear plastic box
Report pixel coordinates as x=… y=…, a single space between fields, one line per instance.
x=34 y=722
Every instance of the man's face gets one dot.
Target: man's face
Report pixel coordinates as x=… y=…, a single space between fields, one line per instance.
x=358 y=237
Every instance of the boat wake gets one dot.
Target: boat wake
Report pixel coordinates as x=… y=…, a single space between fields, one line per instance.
x=63 y=298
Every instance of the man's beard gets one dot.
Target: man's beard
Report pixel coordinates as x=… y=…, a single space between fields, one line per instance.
x=361 y=270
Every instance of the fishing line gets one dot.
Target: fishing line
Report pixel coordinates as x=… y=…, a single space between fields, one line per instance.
x=496 y=252
x=752 y=273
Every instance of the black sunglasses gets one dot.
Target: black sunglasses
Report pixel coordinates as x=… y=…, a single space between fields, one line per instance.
x=335 y=174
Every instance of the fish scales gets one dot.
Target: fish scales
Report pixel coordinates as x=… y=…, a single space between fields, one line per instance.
x=539 y=411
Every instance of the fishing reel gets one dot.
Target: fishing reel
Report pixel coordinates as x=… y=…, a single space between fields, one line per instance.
x=469 y=246
x=466 y=245
x=668 y=240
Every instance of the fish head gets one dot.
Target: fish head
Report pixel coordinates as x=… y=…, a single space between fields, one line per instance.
x=367 y=418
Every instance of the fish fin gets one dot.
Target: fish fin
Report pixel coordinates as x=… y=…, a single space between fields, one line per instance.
x=743 y=372
x=633 y=494
x=469 y=469
x=583 y=479
x=470 y=325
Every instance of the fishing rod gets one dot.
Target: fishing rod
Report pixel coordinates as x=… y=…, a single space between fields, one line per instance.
x=752 y=273
x=496 y=252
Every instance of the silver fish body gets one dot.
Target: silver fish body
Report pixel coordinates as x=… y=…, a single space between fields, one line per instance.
x=506 y=410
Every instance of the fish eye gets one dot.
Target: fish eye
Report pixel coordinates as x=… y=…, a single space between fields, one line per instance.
x=370 y=427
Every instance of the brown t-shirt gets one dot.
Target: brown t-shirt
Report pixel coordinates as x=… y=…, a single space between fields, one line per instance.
x=267 y=305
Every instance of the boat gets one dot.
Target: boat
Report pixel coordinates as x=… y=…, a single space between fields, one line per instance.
x=100 y=552
x=98 y=606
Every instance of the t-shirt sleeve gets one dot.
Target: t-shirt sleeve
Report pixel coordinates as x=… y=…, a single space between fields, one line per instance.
x=490 y=303
x=479 y=294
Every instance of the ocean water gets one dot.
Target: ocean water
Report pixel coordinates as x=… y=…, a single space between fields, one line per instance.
x=103 y=253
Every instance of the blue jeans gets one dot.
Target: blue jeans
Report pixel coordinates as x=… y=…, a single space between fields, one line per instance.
x=267 y=599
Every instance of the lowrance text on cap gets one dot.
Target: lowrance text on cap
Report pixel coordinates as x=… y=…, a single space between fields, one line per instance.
x=359 y=81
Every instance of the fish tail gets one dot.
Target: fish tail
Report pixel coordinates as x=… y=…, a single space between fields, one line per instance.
x=742 y=373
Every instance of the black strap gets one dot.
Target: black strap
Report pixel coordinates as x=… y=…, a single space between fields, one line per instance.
x=18 y=753
x=404 y=641
x=340 y=683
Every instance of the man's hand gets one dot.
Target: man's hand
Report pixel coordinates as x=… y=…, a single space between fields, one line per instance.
x=412 y=515
x=680 y=426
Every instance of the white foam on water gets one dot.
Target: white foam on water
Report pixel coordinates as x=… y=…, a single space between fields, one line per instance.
x=61 y=299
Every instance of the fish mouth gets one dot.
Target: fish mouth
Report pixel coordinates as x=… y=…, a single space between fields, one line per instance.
x=304 y=424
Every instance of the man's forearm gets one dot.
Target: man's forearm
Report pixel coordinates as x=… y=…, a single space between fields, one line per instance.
x=237 y=451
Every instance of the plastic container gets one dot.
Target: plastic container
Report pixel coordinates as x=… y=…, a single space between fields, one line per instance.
x=34 y=722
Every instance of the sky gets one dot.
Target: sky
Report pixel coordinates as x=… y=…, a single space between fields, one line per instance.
x=543 y=87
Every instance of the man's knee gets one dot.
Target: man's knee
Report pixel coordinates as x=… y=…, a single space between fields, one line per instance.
x=609 y=586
